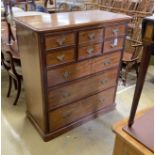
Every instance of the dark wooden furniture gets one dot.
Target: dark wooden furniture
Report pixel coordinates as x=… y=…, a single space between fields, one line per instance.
x=135 y=127
x=8 y=10
x=14 y=74
x=13 y=48
x=70 y=64
x=148 y=43
x=132 y=53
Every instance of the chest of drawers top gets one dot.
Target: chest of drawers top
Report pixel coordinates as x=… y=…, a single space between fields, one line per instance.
x=61 y=21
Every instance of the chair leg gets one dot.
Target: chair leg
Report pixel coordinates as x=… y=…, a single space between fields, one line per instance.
x=137 y=69
x=10 y=34
x=18 y=91
x=126 y=74
x=15 y=84
x=10 y=86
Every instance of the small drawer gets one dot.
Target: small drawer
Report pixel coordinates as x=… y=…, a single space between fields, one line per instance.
x=91 y=36
x=77 y=70
x=82 y=88
x=114 y=31
x=60 y=40
x=70 y=113
x=62 y=56
x=89 y=51
x=113 y=44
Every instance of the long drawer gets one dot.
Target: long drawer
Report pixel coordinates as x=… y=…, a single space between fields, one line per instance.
x=82 y=88
x=70 y=113
x=74 y=71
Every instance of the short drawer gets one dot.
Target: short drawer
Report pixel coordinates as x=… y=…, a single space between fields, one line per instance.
x=59 y=40
x=62 y=56
x=95 y=35
x=82 y=88
x=70 y=113
x=114 y=31
x=89 y=51
x=77 y=70
x=113 y=44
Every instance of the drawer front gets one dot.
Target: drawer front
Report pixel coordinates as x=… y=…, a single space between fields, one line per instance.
x=62 y=56
x=114 y=31
x=113 y=44
x=83 y=68
x=91 y=36
x=59 y=40
x=89 y=51
x=82 y=88
x=70 y=113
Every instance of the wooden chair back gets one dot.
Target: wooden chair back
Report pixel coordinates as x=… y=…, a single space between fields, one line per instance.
x=133 y=44
x=27 y=5
x=145 y=6
x=8 y=63
x=63 y=7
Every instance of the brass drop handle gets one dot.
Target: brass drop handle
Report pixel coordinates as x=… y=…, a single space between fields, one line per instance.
x=115 y=31
x=61 y=57
x=114 y=43
x=106 y=62
x=66 y=74
x=104 y=81
x=66 y=94
x=60 y=41
x=67 y=114
x=91 y=36
x=90 y=50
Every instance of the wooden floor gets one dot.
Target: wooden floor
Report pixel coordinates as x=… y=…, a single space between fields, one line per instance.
x=93 y=138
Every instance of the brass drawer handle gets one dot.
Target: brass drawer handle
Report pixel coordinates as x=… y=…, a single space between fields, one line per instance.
x=115 y=31
x=66 y=94
x=66 y=74
x=67 y=114
x=106 y=62
x=60 y=41
x=114 y=43
x=104 y=81
x=61 y=57
x=91 y=36
x=90 y=50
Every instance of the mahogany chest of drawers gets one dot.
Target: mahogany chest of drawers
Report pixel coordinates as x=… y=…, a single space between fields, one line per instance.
x=70 y=63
